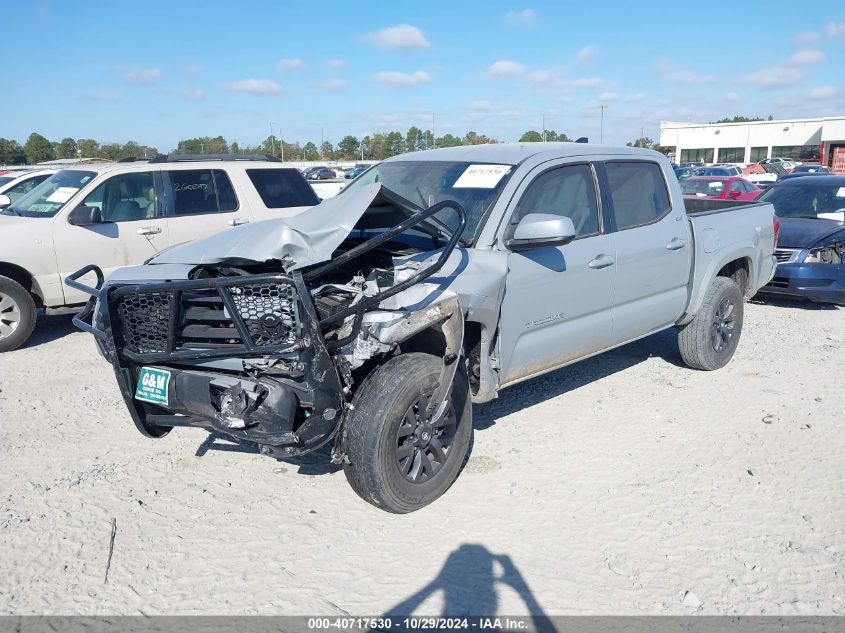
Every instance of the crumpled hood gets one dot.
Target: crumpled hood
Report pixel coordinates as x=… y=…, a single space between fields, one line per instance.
x=808 y=232
x=303 y=240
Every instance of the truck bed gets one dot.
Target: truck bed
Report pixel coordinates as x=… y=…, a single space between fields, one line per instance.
x=700 y=206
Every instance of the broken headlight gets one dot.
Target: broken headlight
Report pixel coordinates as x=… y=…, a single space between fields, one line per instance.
x=832 y=254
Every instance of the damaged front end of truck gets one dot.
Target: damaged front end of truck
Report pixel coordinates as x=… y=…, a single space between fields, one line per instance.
x=264 y=333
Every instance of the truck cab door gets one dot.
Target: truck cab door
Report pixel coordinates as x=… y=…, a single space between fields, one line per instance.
x=558 y=300
x=653 y=246
x=132 y=231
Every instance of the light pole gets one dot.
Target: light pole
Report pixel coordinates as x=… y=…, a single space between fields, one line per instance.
x=601 y=129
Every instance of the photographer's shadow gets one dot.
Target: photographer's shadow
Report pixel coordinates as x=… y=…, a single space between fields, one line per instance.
x=468 y=583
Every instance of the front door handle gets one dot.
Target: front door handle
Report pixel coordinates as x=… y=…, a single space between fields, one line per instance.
x=237 y=221
x=601 y=261
x=149 y=230
x=676 y=244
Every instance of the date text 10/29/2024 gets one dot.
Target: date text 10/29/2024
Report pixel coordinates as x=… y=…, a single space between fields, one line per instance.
x=422 y=623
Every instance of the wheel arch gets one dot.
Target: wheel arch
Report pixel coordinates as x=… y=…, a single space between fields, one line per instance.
x=25 y=279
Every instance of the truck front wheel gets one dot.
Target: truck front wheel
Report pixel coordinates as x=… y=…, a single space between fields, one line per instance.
x=709 y=341
x=17 y=314
x=397 y=459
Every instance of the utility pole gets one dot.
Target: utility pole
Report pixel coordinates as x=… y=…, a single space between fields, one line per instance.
x=433 y=135
x=322 y=140
x=601 y=129
x=281 y=145
x=544 y=127
x=272 y=140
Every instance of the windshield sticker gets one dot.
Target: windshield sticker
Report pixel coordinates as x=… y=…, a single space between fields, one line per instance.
x=62 y=194
x=481 y=176
x=716 y=185
x=841 y=192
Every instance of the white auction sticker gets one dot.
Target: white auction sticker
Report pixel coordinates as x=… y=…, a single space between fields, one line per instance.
x=841 y=192
x=716 y=185
x=62 y=194
x=481 y=176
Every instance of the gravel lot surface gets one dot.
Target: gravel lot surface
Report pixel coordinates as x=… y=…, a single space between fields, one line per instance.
x=625 y=484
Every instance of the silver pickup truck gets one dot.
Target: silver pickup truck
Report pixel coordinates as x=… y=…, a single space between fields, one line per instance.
x=372 y=321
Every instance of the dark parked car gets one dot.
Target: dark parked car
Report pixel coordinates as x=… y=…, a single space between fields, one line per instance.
x=806 y=170
x=811 y=246
x=320 y=173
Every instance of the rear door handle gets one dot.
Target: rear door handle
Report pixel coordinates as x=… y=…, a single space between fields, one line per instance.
x=149 y=230
x=676 y=244
x=601 y=261
x=237 y=221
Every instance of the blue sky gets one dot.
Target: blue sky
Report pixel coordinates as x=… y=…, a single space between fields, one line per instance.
x=156 y=72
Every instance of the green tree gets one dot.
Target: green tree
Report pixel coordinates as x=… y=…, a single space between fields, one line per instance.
x=554 y=137
x=643 y=141
x=473 y=138
x=67 y=148
x=88 y=147
x=234 y=148
x=326 y=151
x=11 y=152
x=414 y=140
x=394 y=144
x=447 y=140
x=310 y=152
x=203 y=145
x=37 y=149
x=531 y=136
x=742 y=119
x=348 y=147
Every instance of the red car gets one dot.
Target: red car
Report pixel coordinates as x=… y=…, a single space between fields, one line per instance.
x=720 y=188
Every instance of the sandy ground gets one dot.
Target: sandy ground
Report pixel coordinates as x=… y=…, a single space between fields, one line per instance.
x=625 y=484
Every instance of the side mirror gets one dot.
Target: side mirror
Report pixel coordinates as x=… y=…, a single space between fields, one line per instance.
x=735 y=193
x=538 y=230
x=84 y=216
x=5 y=201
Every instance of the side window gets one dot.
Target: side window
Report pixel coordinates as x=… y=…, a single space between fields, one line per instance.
x=125 y=197
x=25 y=187
x=280 y=188
x=201 y=191
x=638 y=192
x=568 y=191
x=736 y=185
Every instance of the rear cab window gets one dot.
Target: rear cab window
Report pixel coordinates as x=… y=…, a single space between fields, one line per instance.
x=638 y=193
x=281 y=188
x=198 y=191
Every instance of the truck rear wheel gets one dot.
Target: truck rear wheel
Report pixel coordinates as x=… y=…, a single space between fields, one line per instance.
x=17 y=314
x=709 y=341
x=398 y=461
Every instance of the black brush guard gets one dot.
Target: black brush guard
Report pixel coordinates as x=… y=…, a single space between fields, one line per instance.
x=104 y=316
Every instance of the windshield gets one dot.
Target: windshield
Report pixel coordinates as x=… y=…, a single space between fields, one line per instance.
x=48 y=197
x=5 y=179
x=805 y=201
x=702 y=186
x=475 y=186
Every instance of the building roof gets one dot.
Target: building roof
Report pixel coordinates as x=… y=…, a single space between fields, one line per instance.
x=821 y=120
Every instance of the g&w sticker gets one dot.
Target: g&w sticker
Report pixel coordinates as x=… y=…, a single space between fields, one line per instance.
x=481 y=176
x=153 y=385
x=62 y=194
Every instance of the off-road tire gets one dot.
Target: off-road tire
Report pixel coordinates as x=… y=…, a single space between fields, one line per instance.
x=696 y=338
x=25 y=314
x=370 y=433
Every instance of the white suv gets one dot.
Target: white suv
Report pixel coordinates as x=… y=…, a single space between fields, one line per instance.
x=119 y=214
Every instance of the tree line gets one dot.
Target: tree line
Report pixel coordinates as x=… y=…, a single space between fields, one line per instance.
x=377 y=146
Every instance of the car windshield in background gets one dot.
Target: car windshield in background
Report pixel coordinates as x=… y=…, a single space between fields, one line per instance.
x=5 y=179
x=280 y=188
x=48 y=197
x=805 y=201
x=475 y=186
x=702 y=186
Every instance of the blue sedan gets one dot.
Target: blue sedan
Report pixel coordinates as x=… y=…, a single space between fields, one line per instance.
x=811 y=244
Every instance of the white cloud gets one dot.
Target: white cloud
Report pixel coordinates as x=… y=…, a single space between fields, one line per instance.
x=587 y=54
x=335 y=83
x=505 y=68
x=824 y=92
x=335 y=64
x=142 y=76
x=774 y=77
x=192 y=95
x=807 y=56
x=290 y=63
x=671 y=73
x=106 y=97
x=604 y=97
x=391 y=78
x=807 y=37
x=524 y=18
x=261 y=87
x=731 y=96
x=191 y=71
x=399 y=37
x=835 y=29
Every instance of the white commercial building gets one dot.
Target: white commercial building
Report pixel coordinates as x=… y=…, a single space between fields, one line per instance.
x=804 y=140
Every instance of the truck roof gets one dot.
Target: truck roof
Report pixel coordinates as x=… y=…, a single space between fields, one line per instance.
x=514 y=153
